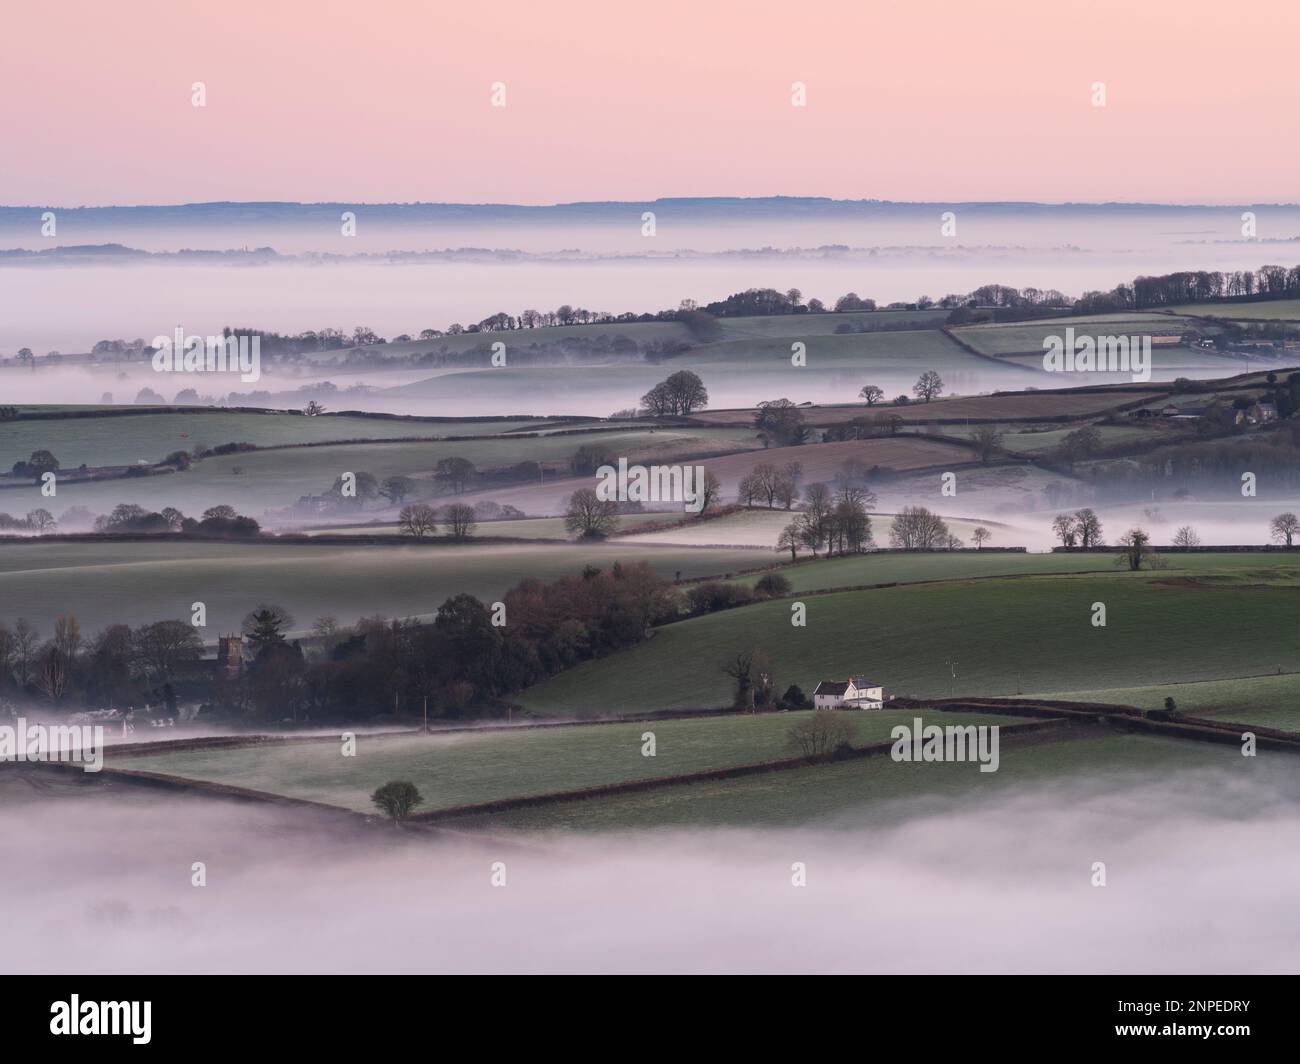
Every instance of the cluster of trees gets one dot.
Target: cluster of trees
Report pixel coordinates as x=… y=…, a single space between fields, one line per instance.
x=221 y=520
x=463 y=662
x=121 y=666
x=916 y=528
x=39 y=520
x=681 y=393
x=780 y=423
x=420 y=520
x=1079 y=529
x=835 y=520
x=771 y=485
x=41 y=462
x=1196 y=286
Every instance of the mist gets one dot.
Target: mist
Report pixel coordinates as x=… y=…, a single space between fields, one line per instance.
x=99 y=881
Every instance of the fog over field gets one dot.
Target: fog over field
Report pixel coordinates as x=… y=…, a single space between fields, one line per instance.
x=999 y=886
x=587 y=255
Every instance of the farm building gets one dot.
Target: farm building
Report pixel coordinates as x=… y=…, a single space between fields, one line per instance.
x=1258 y=414
x=854 y=693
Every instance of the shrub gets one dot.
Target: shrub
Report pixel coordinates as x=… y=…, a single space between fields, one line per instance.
x=772 y=585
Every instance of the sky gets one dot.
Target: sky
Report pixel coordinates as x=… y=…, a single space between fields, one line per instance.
x=391 y=101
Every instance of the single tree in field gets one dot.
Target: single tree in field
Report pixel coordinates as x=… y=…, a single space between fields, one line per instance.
x=740 y=667
x=1186 y=537
x=1065 y=528
x=872 y=394
x=41 y=520
x=417 y=520
x=981 y=536
x=396 y=799
x=314 y=409
x=708 y=492
x=589 y=516
x=791 y=539
x=928 y=386
x=460 y=520
x=1136 y=546
x=821 y=733
x=988 y=442
x=1089 y=526
x=1285 y=527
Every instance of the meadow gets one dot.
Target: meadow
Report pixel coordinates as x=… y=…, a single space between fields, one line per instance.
x=463 y=768
x=257 y=481
x=1006 y=635
x=128 y=438
x=1080 y=765
x=139 y=582
x=1271 y=701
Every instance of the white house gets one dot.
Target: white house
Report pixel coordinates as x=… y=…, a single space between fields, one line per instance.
x=855 y=693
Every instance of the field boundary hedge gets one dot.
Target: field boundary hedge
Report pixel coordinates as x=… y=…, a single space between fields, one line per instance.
x=606 y=790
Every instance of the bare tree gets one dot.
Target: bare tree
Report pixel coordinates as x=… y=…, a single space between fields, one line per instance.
x=418 y=520
x=1089 y=527
x=981 y=535
x=988 y=442
x=1186 y=537
x=1285 y=527
x=1066 y=528
x=929 y=385
x=460 y=520
x=821 y=733
x=589 y=516
x=872 y=394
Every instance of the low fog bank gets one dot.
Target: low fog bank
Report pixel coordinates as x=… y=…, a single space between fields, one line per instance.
x=99 y=881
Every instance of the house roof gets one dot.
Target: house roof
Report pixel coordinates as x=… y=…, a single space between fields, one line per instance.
x=834 y=687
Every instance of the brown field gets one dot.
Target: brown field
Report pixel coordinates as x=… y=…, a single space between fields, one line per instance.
x=822 y=461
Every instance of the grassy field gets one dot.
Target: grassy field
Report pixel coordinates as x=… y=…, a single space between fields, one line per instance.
x=129 y=438
x=551 y=528
x=1268 y=701
x=1012 y=407
x=258 y=481
x=861 y=569
x=1026 y=337
x=878 y=791
x=463 y=768
x=139 y=582
x=738 y=369
x=1268 y=310
x=1022 y=633
x=761 y=527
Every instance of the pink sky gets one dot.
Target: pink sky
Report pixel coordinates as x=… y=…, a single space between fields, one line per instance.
x=908 y=100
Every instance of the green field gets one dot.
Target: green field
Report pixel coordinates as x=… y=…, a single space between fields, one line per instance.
x=880 y=792
x=464 y=768
x=892 y=359
x=858 y=570
x=524 y=528
x=138 y=582
x=1023 y=633
x=1268 y=701
x=129 y=438
x=1015 y=338
x=257 y=481
x=1267 y=310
